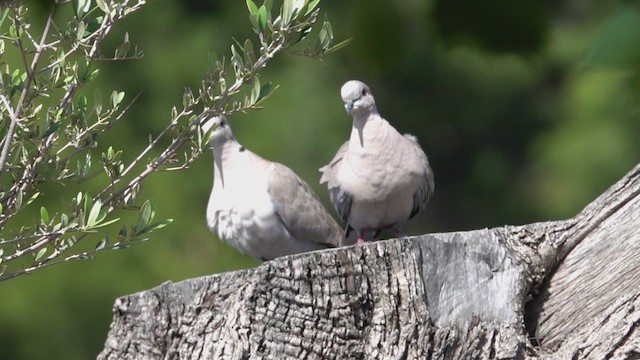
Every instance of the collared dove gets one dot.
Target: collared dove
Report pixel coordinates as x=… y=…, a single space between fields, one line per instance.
x=263 y=208
x=378 y=178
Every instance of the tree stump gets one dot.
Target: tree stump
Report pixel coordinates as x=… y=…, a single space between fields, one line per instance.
x=562 y=289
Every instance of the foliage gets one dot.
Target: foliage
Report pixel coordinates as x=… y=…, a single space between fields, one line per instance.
x=506 y=131
x=51 y=129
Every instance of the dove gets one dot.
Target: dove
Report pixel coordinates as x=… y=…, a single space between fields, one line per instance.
x=379 y=178
x=262 y=208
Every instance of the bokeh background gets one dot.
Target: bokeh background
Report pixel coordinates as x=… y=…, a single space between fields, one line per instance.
x=527 y=109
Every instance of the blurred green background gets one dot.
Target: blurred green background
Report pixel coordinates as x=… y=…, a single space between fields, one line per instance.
x=528 y=110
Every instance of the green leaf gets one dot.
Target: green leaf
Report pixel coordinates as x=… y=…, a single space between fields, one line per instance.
x=119 y=246
x=92 y=219
x=82 y=28
x=81 y=7
x=88 y=205
x=265 y=90
x=253 y=9
x=268 y=4
x=40 y=254
x=102 y=5
x=52 y=128
x=33 y=198
x=108 y=222
x=287 y=10
x=64 y=220
x=93 y=24
x=101 y=244
x=3 y=16
x=102 y=215
x=44 y=215
x=262 y=18
x=158 y=225
x=338 y=46
x=144 y=216
x=255 y=91
x=326 y=35
x=249 y=54
x=312 y=5
x=236 y=58
x=123 y=49
x=97 y=101
x=116 y=98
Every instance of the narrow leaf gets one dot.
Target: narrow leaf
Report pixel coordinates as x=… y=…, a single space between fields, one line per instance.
x=287 y=9
x=101 y=244
x=92 y=219
x=41 y=253
x=253 y=9
x=262 y=18
x=312 y=5
x=108 y=222
x=44 y=215
x=158 y=225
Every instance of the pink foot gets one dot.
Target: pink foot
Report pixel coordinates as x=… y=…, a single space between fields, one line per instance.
x=360 y=240
x=398 y=232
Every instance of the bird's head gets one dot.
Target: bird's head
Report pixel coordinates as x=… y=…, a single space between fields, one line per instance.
x=221 y=130
x=357 y=98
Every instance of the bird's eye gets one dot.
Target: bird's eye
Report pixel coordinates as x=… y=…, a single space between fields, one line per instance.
x=364 y=92
x=222 y=124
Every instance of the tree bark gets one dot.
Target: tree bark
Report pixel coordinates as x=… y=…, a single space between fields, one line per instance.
x=561 y=289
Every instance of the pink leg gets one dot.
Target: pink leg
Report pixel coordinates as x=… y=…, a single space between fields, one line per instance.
x=398 y=232
x=360 y=240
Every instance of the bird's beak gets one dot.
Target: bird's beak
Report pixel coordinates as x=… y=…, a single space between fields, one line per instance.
x=348 y=106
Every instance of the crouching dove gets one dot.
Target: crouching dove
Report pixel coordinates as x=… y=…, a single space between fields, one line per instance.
x=378 y=178
x=260 y=207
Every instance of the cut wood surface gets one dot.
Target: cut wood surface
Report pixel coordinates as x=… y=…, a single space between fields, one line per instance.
x=465 y=295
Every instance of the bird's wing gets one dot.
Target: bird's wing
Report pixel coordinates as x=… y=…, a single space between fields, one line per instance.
x=299 y=208
x=340 y=199
x=427 y=185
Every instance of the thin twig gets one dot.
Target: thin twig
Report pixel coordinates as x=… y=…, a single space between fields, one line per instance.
x=25 y=88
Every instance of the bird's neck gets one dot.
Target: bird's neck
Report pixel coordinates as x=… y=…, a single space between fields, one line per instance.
x=363 y=124
x=221 y=154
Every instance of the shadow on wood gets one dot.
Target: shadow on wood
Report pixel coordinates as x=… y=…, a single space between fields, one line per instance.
x=437 y=296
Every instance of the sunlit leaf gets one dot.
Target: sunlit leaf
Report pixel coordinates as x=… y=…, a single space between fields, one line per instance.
x=253 y=9
x=120 y=245
x=44 y=215
x=40 y=254
x=262 y=18
x=81 y=7
x=255 y=91
x=287 y=9
x=102 y=5
x=116 y=98
x=144 y=216
x=108 y=222
x=94 y=213
x=101 y=244
x=158 y=225
x=312 y=5
x=33 y=197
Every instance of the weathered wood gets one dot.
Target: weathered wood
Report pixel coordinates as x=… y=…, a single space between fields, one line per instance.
x=603 y=268
x=438 y=296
